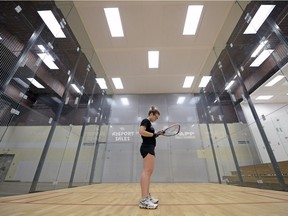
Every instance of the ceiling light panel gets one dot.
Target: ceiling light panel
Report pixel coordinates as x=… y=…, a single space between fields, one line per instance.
x=114 y=22
x=204 y=81
x=35 y=83
x=181 y=100
x=261 y=58
x=21 y=82
x=264 y=97
x=125 y=101
x=42 y=48
x=76 y=88
x=275 y=80
x=192 y=19
x=153 y=59
x=188 y=81
x=229 y=85
x=259 y=48
x=101 y=82
x=48 y=60
x=52 y=23
x=117 y=83
x=259 y=18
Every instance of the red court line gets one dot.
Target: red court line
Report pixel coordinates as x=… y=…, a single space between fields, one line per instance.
x=217 y=204
x=267 y=196
x=158 y=192
x=45 y=193
x=16 y=200
x=88 y=199
x=282 y=193
x=52 y=197
x=167 y=204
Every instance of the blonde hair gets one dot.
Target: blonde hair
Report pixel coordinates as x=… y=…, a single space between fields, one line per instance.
x=153 y=110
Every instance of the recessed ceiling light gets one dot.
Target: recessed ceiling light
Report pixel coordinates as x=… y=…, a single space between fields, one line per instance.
x=192 y=19
x=264 y=97
x=48 y=60
x=259 y=48
x=35 y=83
x=52 y=23
x=204 y=81
x=76 y=88
x=230 y=84
x=275 y=80
x=261 y=58
x=125 y=101
x=181 y=100
x=56 y=99
x=41 y=47
x=21 y=82
x=194 y=100
x=259 y=18
x=102 y=83
x=114 y=22
x=188 y=81
x=117 y=83
x=153 y=59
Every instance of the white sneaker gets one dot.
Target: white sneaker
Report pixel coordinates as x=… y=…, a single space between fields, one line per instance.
x=147 y=204
x=152 y=199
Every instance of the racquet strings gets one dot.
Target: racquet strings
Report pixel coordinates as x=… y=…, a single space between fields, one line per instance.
x=172 y=130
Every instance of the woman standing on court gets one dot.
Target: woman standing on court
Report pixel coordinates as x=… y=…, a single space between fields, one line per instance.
x=147 y=151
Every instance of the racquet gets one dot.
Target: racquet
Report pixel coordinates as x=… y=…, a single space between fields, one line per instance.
x=172 y=130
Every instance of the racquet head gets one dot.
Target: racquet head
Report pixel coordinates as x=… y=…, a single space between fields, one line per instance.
x=171 y=130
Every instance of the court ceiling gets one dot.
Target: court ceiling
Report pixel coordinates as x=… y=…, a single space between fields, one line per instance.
x=153 y=25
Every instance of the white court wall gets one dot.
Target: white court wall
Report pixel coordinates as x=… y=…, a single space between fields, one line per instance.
x=274 y=118
x=27 y=142
x=177 y=160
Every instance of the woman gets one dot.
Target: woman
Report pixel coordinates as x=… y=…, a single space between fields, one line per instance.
x=147 y=151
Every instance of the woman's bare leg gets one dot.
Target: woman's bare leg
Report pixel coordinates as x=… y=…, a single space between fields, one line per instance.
x=148 y=167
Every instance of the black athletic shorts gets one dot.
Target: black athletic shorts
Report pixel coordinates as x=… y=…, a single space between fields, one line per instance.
x=147 y=149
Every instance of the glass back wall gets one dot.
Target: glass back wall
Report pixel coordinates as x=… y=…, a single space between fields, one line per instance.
x=48 y=96
x=178 y=159
x=241 y=79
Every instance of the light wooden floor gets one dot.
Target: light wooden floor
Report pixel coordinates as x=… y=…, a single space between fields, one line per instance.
x=175 y=199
